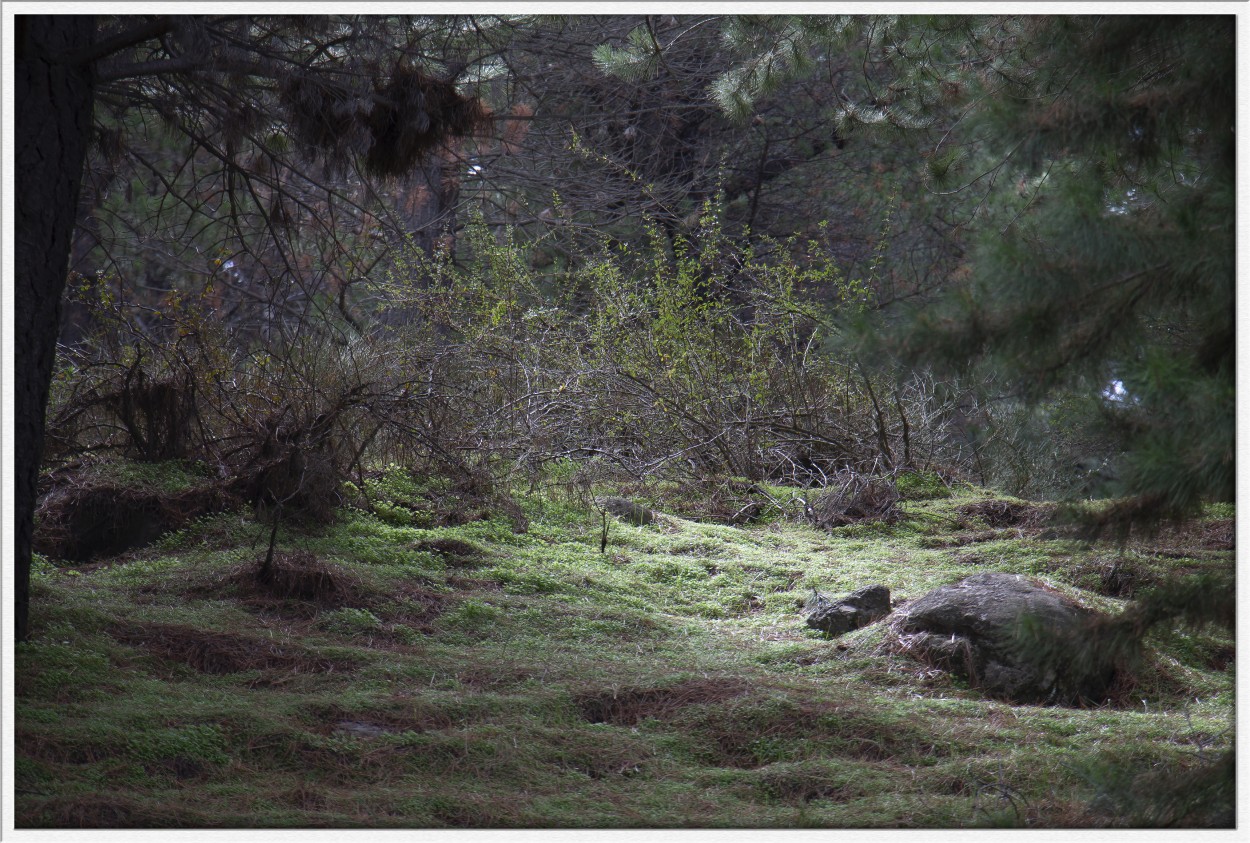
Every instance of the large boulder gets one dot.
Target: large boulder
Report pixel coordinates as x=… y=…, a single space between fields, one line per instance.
x=1010 y=636
x=860 y=608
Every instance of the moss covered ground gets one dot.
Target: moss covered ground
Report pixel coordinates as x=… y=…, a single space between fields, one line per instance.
x=390 y=673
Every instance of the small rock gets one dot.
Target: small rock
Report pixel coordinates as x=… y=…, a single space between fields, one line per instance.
x=860 y=608
x=627 y=510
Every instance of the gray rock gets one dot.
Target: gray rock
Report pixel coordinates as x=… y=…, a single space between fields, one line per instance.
x=1010 y=636
x=860 y=608
x=627 y=510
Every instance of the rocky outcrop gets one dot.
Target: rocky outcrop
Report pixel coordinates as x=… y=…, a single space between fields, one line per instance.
x=1010 y=636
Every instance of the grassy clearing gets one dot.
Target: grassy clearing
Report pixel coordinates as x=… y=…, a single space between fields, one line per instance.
x=393 y=673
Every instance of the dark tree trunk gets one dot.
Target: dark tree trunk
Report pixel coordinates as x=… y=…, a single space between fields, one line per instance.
x=428 y=209
x=53 y=105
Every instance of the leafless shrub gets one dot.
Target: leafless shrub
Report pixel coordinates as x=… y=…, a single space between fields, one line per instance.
x=297 y=466
x=853 y=498
x=142 y=401
x=488 y=383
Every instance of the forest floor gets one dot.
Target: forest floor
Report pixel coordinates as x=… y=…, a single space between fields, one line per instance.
x=386 y=674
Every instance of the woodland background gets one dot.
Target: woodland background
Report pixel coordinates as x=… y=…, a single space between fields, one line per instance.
x=811 y=253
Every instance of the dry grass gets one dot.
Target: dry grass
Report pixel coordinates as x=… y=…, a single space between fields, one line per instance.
x=629 y=706
x=853 y=498
x=223 y=652
x=1000 y=513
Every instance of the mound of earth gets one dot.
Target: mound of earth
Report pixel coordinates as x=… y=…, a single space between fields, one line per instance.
x=83 y=521
x=999 y=513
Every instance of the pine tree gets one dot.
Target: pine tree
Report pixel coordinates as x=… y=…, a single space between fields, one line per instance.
x=1092 y=158
x=1106 y=254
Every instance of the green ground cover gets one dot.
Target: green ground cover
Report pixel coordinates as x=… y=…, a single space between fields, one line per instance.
x=392 y=673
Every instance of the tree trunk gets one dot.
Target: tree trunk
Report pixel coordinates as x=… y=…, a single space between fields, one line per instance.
x=53 y=106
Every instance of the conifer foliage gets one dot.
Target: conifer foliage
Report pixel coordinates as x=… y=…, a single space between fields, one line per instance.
x=1106 y=259
x=1090 y=160
x=1094 y=159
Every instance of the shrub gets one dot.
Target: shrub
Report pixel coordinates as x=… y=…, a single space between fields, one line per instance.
x=921 y=486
